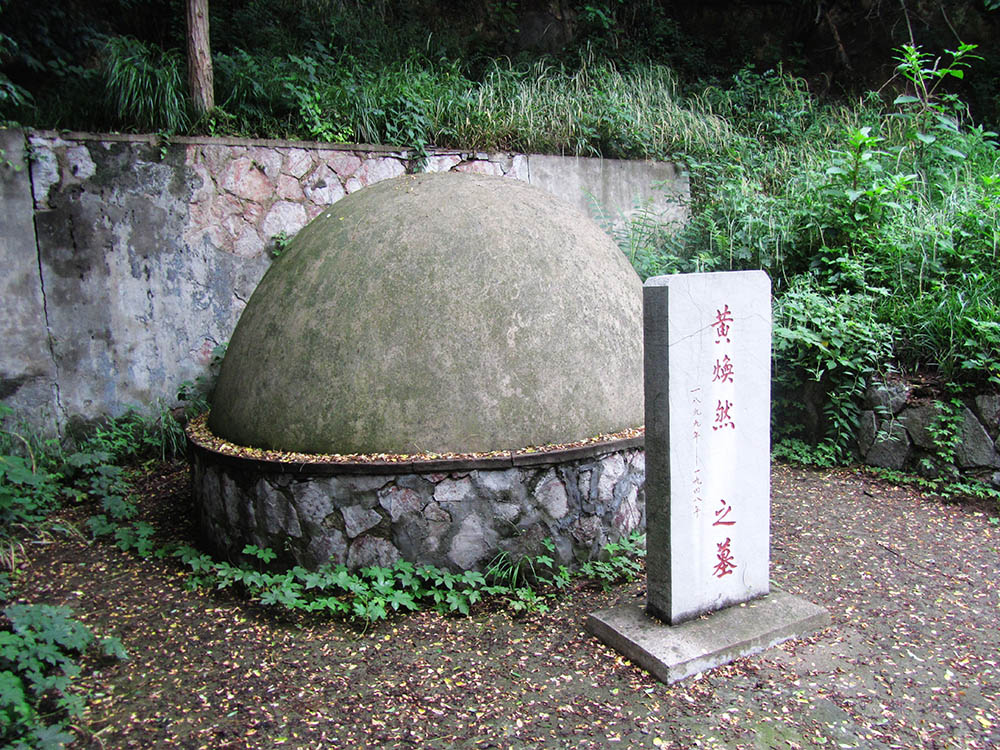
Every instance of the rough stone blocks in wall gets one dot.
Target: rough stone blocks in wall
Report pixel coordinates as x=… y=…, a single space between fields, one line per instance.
x=903 y=432
x=459 y=520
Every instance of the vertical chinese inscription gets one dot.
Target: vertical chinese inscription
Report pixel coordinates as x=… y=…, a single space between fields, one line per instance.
x=723 y=381
x=707 y=441
x=697 y=499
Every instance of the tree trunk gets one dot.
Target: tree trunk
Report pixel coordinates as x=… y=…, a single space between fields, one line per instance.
x=199 y=57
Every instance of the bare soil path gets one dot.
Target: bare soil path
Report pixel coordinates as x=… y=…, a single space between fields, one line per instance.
x=911 y=661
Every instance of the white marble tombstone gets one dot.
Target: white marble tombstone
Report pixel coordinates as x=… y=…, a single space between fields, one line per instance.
x=707 y=372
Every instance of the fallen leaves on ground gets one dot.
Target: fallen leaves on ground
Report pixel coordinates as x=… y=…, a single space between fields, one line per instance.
x=910 y=661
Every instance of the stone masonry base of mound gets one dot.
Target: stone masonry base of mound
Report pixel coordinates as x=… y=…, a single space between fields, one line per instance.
x=458 y=518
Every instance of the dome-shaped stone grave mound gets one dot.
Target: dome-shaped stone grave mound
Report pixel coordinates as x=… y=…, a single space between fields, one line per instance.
x=437 y=313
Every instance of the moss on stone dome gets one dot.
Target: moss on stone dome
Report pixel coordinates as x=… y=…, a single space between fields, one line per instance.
x=437 y=313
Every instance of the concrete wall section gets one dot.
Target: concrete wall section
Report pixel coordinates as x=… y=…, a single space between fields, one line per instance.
x=137 y=296
x=27 y=369
x=129 y=259
x=613 y=190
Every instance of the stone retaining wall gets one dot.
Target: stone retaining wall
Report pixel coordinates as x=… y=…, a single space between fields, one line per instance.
x=129 y=259
x=900 y=429
x=458 y=519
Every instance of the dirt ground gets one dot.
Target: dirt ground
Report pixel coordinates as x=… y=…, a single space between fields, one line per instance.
x=911 y=660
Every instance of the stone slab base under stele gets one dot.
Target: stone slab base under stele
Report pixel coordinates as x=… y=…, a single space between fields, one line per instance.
x=673 y=652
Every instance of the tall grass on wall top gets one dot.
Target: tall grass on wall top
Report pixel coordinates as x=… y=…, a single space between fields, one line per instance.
x=595 y=109
x=145 y=87
x=544 y=107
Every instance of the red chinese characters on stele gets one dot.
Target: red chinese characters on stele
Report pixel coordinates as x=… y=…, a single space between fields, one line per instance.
x=723 y=373
x=723 y=319
x=722 y=418
x=725 y=564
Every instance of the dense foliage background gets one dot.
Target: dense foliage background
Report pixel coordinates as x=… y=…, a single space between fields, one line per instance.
x=119 y=64
x=838 y=145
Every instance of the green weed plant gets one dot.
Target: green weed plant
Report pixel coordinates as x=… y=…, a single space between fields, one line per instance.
x=145 y=86
x=947 y=488
x=525 y=585
x=39 y=653
x=619 y=561
x=31 y=485
x=37 y=476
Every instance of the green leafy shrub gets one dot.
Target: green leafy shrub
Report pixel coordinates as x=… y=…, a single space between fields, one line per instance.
x=826 y=345
x=38 y=662
x=877 y=224
x=823 y=455
x=945 y=432
x=134 y=436
x=524 y=586
x=30 y=486
x=27 y=492
x=370 y=594
x=618 y=562
x=945 y=487
x=95 y=476
x=12 y=96
x=519 y=581
x=36 y=476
